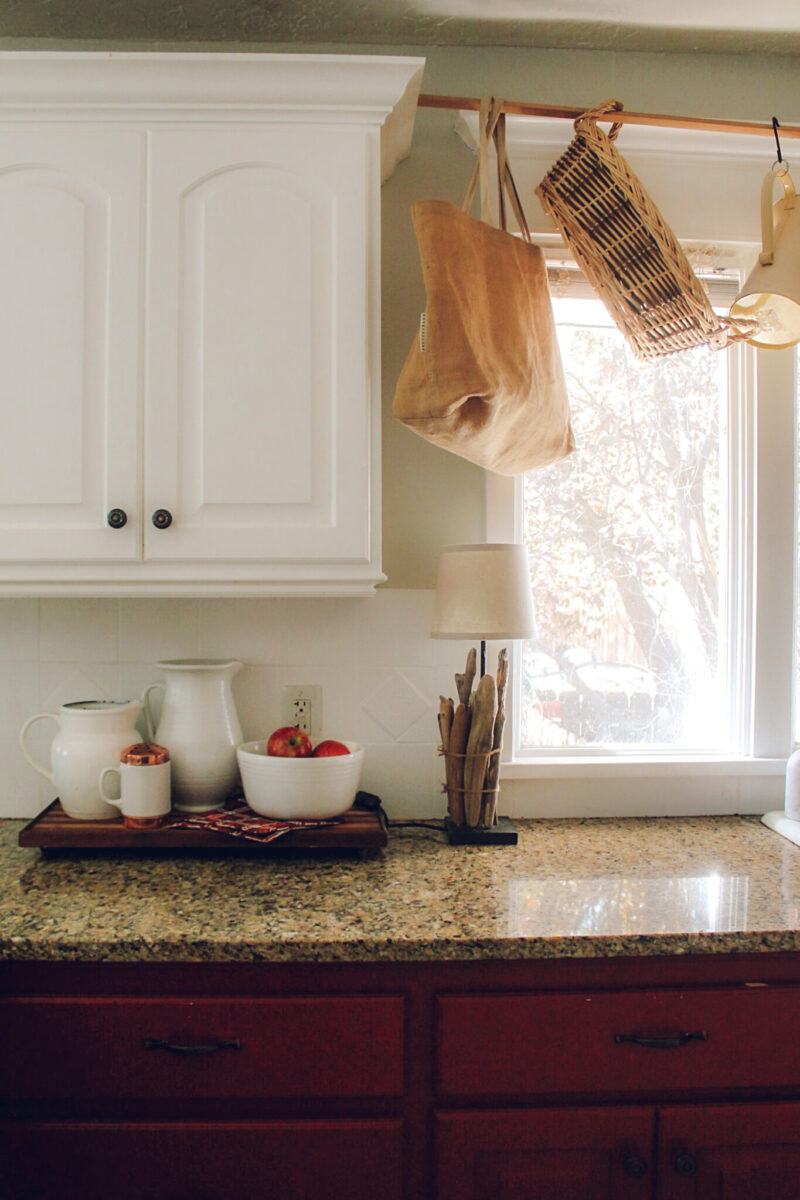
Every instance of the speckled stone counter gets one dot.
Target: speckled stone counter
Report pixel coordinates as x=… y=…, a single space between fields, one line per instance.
x=569 y=889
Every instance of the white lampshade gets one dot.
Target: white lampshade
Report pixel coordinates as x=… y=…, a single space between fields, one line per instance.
x=483 y=591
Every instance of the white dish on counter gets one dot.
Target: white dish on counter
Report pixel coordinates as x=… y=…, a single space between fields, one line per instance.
x=299 y=789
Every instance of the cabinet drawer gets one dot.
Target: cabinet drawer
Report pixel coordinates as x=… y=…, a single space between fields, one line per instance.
x=536 y=1043
x=283 y=1047
x=301 y=1160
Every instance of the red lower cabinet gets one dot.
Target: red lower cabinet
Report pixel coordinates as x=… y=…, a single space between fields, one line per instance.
x=691 y=1152
x=729 y=1152
x=584 y=1080
x=545 y=1154
x=284 y=1160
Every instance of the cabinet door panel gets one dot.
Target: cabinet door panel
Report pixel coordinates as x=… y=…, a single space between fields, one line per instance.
x=730 y=1152
x=258 y=404
x=293 y=1047
x=287 y=1160
x=545 y=1154
x=69 y=343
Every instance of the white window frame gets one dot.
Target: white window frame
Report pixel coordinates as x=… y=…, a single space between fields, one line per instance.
x=690 y=175
x=761 y=461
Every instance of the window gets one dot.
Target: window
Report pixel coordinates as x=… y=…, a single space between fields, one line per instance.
x=674 y=731
x=627 y=539
x=661 y=561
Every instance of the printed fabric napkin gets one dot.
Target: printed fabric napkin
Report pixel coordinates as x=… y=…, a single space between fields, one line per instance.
x=239 y=820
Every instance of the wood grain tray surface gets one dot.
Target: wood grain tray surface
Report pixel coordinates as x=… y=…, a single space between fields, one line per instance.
x=357 y=829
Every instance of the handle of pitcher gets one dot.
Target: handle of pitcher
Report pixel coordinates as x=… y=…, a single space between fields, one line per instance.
x=148 y=712
x=22 y=736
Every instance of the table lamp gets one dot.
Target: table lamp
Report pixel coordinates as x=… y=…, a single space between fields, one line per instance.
x=483 y=591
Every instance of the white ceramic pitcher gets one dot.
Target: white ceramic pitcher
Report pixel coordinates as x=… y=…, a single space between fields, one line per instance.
x=200 y=728
x=91 y=734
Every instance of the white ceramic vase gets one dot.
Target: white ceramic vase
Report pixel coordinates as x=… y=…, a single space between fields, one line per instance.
x=200 y=728
x=91 y=734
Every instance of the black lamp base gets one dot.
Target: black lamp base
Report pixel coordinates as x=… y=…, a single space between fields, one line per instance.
x=502 y=833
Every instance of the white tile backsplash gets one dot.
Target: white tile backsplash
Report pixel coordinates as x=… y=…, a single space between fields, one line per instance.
x=396 y=704
x=150 y=630
x=25 y=793
x=79 y=630
x=379 y=670
x=19 y=631
x=19 y=694
x=408 y=778
x=63 y=682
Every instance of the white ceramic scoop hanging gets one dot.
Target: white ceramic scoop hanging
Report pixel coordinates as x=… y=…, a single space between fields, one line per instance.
x=200 y=728
x=771 y=295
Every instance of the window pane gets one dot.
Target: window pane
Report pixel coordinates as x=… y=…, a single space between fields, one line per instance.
x=624 y=539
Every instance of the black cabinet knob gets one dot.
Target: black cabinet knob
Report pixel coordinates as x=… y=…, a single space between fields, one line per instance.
x=117 y=517
x=162 y=518
x=634 y=1166
x=685 y=1164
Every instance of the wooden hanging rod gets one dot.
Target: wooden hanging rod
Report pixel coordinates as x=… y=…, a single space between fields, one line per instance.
x=704 y=124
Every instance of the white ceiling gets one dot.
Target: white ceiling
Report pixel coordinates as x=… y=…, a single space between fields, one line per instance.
x=741 y=26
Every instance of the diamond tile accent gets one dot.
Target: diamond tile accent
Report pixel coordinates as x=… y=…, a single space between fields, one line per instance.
x=79 y=683
x=396 y=704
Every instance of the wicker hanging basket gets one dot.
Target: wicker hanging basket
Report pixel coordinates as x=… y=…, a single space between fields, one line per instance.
x=625 y=248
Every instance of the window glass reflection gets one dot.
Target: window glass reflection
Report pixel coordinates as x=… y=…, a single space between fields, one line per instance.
x=621 y=905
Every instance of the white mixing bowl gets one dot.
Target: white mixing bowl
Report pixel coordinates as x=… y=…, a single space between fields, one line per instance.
x=299 y=789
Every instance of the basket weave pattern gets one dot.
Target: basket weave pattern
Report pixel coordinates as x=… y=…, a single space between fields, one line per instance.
x=625 y=248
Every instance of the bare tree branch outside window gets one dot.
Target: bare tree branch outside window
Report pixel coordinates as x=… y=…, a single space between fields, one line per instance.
x=624 y=538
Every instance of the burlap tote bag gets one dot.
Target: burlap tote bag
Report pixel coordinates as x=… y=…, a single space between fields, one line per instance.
x=484 y=378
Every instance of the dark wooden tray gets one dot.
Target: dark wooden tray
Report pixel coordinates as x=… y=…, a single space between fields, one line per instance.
x=358 y=829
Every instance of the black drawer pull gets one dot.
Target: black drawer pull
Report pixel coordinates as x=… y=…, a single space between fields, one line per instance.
x=661 y=1043
x=176 y=1048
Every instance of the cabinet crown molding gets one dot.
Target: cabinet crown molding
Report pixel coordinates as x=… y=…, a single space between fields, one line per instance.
x=159 y=87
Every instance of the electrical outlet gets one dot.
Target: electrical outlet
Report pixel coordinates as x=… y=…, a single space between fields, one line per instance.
x=302 y=706
x=301 y=715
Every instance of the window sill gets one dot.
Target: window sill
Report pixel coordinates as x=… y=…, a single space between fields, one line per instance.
x=647 y=786
x=630 y=766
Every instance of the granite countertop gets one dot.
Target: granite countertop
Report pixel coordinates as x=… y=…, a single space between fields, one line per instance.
x=699 y=885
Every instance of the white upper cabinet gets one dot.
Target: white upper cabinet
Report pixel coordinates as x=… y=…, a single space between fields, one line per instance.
x=190 y=343
x=69 y=344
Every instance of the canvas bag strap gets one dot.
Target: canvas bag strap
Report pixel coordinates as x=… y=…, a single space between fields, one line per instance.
x=490 y=112
x=492 y=126
x=505 y=181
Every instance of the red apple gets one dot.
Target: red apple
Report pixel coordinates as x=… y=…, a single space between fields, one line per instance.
x=289 y=742
x=329 y=749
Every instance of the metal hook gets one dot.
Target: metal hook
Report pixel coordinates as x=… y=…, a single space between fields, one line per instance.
x=777 y=139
